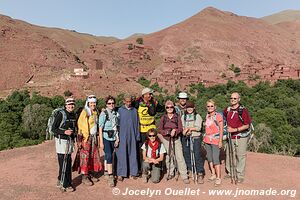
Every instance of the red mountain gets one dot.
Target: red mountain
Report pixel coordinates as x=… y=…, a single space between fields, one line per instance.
x=210 y=47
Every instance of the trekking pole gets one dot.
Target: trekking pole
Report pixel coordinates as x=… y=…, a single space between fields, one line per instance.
x=63 y=171
x=231 y=160
x=170 y=154
x=175 y=160
x=193 y=162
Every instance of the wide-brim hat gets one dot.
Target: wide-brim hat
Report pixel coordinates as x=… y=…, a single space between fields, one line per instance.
x=147 y=90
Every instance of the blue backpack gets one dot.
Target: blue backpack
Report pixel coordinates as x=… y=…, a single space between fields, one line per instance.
x=225 y=133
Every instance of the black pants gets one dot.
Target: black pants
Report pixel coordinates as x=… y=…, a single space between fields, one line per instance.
x=68 y=174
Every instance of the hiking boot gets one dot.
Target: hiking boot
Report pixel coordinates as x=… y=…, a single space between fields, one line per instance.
x=145 y=178
x=218 y=182
x=227 y=176
x=186 y=181
x=240 y=180
x=169 y=177
x=67 y=189
x=111 y=181
x=212 y=177
x=86 y=180
x=200 y=178
x=58 y=183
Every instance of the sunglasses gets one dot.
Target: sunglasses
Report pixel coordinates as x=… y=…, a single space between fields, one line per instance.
x=168 y=107
x=110 y=104
x=151 y=135
x=92 y=97
x=233 y=98
x=71 y=104
x=210 y=106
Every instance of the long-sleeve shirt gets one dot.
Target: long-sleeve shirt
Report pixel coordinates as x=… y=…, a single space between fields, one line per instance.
x=166 y=125
x=189 y=121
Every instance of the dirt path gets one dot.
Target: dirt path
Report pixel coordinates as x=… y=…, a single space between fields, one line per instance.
x=31 y=173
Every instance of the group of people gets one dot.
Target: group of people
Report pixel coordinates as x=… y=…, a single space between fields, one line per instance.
x=134 y=147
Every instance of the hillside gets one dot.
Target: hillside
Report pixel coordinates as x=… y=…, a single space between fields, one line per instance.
x=284 y=16
x=32 y=174
x=199 y=49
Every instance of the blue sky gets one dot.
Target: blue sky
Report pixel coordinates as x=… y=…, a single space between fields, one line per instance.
x=122 y=18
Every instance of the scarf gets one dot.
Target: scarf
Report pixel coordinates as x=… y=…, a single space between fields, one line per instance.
x=154 y=147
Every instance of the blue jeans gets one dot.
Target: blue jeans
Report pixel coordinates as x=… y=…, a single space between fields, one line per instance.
x=199 y=161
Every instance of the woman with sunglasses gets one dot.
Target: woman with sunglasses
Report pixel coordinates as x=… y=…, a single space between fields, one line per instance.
x=109 y=136
x=87 y=137
x=191 y=142
x=213 y=140
x=170 y=127
x=153 y=155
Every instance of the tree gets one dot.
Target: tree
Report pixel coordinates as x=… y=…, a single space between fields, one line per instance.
x=35 y=119
x=68 y=93
x=261 y=142
x=144 y=82
x=140 y=41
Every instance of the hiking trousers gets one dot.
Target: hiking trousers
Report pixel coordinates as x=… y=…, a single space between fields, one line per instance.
x=155 y=170
x=68 y=174
x=179 y=157
x=239 y=147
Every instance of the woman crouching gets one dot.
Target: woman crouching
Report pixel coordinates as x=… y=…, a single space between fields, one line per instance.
x=153 y=155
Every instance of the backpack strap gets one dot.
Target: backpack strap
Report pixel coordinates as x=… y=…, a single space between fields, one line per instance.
x=64 y=119
x=240 y=112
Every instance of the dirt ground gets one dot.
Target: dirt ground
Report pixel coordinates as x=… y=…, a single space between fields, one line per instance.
x=31 y=173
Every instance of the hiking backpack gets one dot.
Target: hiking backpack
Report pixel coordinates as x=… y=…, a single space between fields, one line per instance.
x=240 y=113
x=54 y=114
x=225 y=133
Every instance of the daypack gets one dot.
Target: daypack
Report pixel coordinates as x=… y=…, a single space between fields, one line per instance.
x=225 y=133
x=217 y=135
x=247 y=132
x=49 y=132
x=195 y=116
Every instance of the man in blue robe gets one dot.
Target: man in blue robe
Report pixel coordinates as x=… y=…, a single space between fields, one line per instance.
x=127 y=154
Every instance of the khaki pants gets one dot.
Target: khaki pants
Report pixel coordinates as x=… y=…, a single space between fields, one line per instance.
x=239 y=147
x=179 y=157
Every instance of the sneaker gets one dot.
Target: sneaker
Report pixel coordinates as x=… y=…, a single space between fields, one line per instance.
x=200 y=178
x=190 y=174
x=134 y=177
x=145 y=178
x=218 y=182
x=240 y=180
x=86 y=180
x=186 y=181
x=94 y=179
x=212 y=177
x=227 y=176
x=120 y=178
x=106 y=175
x=111 y=181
